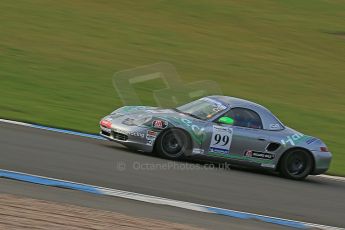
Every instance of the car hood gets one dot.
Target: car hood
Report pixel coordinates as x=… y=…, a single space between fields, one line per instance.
x=141 y=112
x=132 y=110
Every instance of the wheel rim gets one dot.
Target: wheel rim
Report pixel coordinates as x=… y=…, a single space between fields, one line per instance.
x=297 y=163
x=172 y=144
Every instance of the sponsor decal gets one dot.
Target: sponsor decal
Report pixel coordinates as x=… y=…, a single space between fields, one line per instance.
x=149 y=142
x=160 y=124
x=274 y=126
x=239 y=157
x=294 y=139
x=196 y=131
x=198 y=151
x=248 y=153
x=261 y=155
x=138 y=120
x=151 y=135
x=130 y=133
x=221 y=139
x=136 y=134
x=311 y=140
x=128 y=121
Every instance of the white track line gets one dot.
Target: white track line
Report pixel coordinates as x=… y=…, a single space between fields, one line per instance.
x=336 y=178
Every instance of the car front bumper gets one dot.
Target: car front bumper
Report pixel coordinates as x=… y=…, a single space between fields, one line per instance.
x=130 y=136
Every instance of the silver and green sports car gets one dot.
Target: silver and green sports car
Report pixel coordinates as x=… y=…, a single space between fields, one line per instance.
x=219 y=128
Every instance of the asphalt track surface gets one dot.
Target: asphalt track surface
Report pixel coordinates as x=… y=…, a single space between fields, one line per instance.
x=106 y=164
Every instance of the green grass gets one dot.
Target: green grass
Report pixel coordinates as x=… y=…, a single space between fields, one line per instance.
x=57 y=58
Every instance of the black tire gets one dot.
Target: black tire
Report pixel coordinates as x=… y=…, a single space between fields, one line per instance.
x=296 y=164
x=173 y=144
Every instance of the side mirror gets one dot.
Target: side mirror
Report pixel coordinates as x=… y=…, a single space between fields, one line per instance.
x=226 y=120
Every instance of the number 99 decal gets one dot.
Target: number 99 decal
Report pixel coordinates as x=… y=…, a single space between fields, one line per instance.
x=221 y=139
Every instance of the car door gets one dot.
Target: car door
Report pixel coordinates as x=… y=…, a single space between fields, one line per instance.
x=248 y=138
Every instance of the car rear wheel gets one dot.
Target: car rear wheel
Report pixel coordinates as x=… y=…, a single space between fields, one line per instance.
x=173 y=144
x=296 y=164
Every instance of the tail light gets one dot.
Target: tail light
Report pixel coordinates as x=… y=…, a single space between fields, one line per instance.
x=324 y=149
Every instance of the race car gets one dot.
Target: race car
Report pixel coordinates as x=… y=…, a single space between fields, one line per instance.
x=219 y=128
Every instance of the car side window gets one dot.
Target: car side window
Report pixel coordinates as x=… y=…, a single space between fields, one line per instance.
x=245 y=118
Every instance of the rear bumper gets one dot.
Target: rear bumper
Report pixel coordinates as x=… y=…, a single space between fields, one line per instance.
x=322 y=162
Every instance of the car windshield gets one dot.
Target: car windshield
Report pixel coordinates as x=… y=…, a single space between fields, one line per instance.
x=204 y=108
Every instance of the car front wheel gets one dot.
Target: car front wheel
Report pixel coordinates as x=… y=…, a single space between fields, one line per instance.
x=173 y=144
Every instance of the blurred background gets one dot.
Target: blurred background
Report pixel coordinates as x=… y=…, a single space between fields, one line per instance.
x=57 y=58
